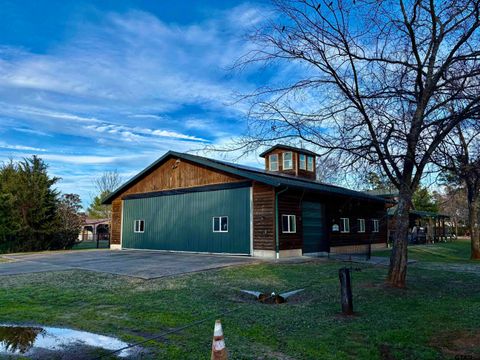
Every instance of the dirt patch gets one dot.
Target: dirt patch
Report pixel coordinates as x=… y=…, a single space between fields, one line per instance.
x=460 y=345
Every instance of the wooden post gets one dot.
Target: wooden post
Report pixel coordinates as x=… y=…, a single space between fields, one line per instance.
x=346 y=291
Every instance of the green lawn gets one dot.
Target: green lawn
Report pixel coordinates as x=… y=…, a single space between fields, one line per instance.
x=457 y=251
x=436 y=317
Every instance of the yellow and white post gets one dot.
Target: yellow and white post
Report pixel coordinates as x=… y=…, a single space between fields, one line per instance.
x=219 y=351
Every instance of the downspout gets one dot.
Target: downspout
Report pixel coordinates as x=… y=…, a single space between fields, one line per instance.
x=277 y=242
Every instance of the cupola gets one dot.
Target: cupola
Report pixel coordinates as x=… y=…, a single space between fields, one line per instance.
x=284 y=159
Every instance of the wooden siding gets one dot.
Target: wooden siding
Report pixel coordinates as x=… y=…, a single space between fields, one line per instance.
x=296 y=171
x=290 y=203
x=336 y=207
x=263 y=217
x=173 y=174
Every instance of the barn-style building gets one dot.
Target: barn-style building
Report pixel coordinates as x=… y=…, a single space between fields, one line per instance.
x=189 y=203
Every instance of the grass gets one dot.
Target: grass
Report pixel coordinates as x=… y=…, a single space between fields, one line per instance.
x=457 y=251
x=424 y=321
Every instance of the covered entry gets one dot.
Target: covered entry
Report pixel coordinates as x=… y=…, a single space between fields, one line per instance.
x=212 y=219
x=314 y=231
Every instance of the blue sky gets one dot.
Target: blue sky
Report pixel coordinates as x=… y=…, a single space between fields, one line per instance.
x=91 y=86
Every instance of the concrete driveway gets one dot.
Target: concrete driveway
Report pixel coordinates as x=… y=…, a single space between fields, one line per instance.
x=140 y=264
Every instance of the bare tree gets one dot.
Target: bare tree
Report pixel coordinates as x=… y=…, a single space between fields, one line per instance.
x=107 y=182
x=104 y=184
x=459 y=155
x=370 y=79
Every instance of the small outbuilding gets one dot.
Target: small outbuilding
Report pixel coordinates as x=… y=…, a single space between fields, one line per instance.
x=189 y=203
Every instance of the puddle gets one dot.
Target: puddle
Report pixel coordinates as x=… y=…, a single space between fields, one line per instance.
x=37 y=340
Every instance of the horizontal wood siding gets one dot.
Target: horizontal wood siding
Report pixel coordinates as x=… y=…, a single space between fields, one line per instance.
x=289 y=203
x=357 y=209
x=336 y=207
x=263 y=217
x=173 y=174
x=116 y=221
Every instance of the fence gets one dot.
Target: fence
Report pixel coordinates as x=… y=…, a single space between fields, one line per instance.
x=93 y=241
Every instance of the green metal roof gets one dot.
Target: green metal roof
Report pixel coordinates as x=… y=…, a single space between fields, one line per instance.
x=287 y=147
x=262 y=176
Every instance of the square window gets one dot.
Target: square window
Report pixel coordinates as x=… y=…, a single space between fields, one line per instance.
x=289 y=224
x=287 y=161
x=220 y=224
x=303 y=162
x=361 y=225
x=139 y=226
x=310 y=163
x=344 y=225
x=376 y=225
x=273 y=162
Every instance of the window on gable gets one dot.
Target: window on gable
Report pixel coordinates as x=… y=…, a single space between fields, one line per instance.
x=139 y=226
x=220 y=224
x=289 y=224
x=376 y=225
x=361 y=225
x=273 y=162
x=310 y=163
x=287 y=161
x=344 y=225
x=303 y=162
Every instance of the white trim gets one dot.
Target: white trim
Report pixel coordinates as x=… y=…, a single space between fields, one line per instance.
x=219 y=223
x=291 y=160
x=304 y=162
x=376 y=225
x=289 y=231
x=139 y=227
x=361 y=221
x=308 y=163
x=270 y=162
x=187 y=252
x=342 y=225
x=121 y=227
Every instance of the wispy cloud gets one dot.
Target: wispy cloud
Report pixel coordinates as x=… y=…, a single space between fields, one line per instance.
x=124 y=88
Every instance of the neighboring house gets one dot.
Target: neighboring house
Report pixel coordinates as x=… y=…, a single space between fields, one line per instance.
x=183 y=202
x=94 y=229
x=424 y=226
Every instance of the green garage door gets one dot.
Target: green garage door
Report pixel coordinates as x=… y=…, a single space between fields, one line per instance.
x=185 y=221
x=314 y=231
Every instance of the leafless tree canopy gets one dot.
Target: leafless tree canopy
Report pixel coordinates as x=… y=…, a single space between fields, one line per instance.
x=383 y=81
x=107 y=182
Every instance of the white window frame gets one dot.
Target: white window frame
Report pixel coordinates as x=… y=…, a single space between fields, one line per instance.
x=289 y=222
x=135 y=227
x=376 y=225
x=310 y=166
x=291 y=160
x=302 y=162
x=270 y=162
x=344 y=225
x=361 y=225
x=219 y=224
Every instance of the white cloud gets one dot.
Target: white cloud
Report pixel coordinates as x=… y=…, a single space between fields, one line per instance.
x=20 y=147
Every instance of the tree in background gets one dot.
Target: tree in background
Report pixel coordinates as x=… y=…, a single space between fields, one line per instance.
x=105 y=184
x=30 y=209
x=459 y=156
x=381 y=82
x=424 y=200
x=453 y=203
x=69 y=221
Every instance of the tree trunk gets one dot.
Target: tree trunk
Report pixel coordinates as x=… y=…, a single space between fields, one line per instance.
x=397 y=272
x=472 y=196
